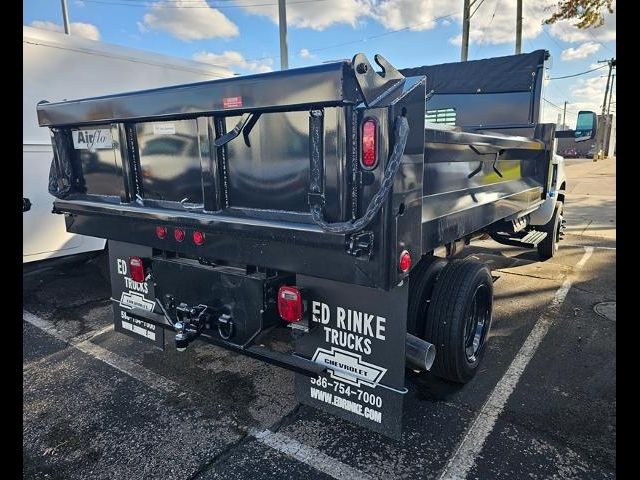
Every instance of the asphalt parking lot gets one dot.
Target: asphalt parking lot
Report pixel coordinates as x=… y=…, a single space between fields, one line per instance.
x=98 y=404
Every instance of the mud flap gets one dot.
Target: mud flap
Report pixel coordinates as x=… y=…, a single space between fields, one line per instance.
x=358 y=333
x=126 y=294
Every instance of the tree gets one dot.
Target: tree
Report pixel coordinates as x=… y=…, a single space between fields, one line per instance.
x=588 y=12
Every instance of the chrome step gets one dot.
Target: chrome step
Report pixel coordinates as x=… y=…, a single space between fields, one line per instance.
x=531 y=239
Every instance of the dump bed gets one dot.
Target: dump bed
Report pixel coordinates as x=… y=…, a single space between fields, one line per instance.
x=272 y=169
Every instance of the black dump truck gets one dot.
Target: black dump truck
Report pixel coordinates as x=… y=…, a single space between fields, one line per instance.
x=323 y=205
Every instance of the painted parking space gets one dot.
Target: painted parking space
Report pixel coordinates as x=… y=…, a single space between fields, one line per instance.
x=98 y=404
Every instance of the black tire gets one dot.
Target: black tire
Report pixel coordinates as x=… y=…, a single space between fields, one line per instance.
x=548 y=247
x=422 y=279
x=459 y=319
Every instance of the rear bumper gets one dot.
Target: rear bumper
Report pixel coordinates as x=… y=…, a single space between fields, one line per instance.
x=291 y=361
x=288 y=246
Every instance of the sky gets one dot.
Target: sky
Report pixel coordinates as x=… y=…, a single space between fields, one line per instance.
x=242 y=35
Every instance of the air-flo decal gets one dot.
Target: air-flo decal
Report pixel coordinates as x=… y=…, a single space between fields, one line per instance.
x=92 y=139
x=349 y=367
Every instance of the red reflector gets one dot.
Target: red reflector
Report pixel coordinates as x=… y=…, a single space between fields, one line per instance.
x=161 y=232
x=136 y=268
x=290 y=304
x=405 y=261
x=198 y=237
x=369 y=143
x=178 y=234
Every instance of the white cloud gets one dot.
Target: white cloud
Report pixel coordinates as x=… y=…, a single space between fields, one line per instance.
x=565 y=30
x=495 y=22
x=189 y=20
x=314 y=15
x=590 y=89
x=304 y=53
x=414 y=14
x=234 y=61
x=583 y=51
x=586 y=94
x=79 y=3
x=86 y=30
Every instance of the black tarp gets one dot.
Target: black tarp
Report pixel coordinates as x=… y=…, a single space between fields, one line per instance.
x=513 y=73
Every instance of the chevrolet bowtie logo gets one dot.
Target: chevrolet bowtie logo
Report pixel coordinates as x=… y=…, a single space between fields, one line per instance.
x=132 y=299
x=348 y=367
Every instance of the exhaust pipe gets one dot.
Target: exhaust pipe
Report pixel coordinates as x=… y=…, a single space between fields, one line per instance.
x=419 y=353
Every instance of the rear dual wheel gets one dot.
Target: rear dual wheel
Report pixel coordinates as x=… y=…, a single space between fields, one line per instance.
x=457 y=316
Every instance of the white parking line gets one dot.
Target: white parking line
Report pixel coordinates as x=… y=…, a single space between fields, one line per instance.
x=584 y=246
x=149 y=378
x=303 y=453
x=472 y=443
x=309 y=455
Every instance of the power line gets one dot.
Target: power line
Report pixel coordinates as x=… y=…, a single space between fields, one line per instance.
x=365 y=39
x=218 y=7
x=479 y=5
x=569 y=110
x=577 y=74
x=484 y=30
x=598 y=41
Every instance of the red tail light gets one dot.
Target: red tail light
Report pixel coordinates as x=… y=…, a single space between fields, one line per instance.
x=198 y=238
x=136 y=268
x=178 y=234
x=369 y=143
x=161 y=232
x=290 y=304
x=405 y=261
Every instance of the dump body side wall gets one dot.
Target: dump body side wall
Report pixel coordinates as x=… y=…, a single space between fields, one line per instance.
x=472 y=181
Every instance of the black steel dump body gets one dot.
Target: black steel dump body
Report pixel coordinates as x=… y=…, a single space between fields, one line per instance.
x=269 y=170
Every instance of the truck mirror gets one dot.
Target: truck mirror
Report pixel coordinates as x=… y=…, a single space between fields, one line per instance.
x=586 y=126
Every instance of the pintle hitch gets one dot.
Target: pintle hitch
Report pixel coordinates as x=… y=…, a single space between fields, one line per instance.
x=192 y=320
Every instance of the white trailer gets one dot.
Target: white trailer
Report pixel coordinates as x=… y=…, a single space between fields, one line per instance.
x=58 y=67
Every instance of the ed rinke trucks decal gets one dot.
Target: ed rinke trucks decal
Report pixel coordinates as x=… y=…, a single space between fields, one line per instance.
x=128 y=294
x=353 y=332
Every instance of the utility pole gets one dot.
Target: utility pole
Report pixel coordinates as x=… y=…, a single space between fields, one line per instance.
x=65 y=17
x=282 y=21
x=602 y=131
x=564 y=115
x=466 y=20
x=519 y=28
x=613 y=78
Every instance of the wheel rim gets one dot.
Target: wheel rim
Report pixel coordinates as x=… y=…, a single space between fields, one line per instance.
x=557 y=233
x=477 y=323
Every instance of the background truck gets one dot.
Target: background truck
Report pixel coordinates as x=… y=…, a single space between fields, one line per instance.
x=57 y=67
x=324 y=205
